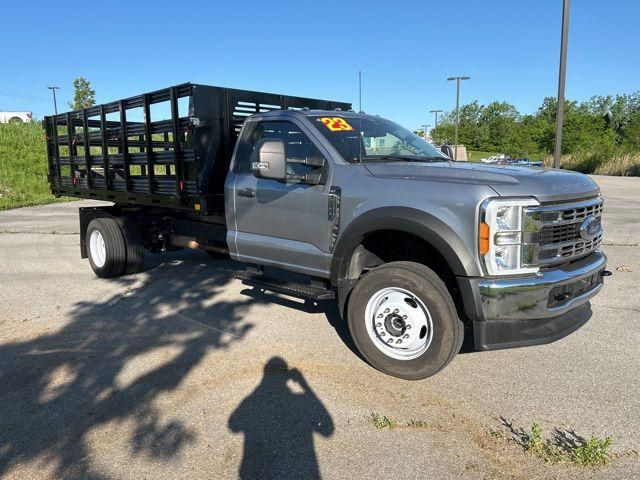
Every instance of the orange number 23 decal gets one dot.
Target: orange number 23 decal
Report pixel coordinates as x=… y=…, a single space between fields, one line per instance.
x=336 y=124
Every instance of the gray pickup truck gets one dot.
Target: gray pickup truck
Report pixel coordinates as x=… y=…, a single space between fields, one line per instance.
x=414 y=246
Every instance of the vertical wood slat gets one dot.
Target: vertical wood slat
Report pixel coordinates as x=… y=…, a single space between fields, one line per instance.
x=87 y=147
x=70 y=132
x=124 y=144
x=149 y=146
x=105 y=148
x=175 y=123
x=167 y=168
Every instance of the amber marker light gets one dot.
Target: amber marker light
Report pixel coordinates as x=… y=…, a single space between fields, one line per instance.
x=483 y=237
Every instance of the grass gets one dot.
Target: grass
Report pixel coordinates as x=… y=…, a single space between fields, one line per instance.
x=23 y=166
x=590 y=452
x=594 y=451
x=416 y=424
x=381 y=422
x=536 y=444
x=622 y=164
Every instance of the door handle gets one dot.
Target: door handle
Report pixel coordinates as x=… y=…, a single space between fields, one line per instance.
x=247 y=192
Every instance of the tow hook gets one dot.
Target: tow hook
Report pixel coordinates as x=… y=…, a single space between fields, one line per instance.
x=606 y=273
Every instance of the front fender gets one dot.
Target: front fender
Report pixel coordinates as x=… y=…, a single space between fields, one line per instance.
x=410 y=220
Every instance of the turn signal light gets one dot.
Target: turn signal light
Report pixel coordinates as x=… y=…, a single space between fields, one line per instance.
x=483 y=237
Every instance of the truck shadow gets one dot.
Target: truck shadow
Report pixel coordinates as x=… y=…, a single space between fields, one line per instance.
x=327 y=307
x=330 y=309
x=110 y=361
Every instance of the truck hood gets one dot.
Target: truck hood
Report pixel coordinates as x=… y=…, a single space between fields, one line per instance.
x=546 y=184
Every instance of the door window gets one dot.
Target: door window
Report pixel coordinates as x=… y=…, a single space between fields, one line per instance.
x=297 y=145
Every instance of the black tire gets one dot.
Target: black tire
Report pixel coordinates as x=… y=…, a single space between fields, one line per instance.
x=448 y=329
x=134 y=244
x=115 y=248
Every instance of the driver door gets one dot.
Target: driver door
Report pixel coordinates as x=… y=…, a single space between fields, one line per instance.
x=280 y=223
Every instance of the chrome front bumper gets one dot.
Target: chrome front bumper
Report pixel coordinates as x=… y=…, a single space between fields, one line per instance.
x=534 y=297
x=516 y=312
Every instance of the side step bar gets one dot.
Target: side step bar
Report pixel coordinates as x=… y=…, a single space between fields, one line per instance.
x=311 y=291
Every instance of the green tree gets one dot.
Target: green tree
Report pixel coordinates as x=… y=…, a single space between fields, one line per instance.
x=499 y=120
x=83 y=94
x=632 y=133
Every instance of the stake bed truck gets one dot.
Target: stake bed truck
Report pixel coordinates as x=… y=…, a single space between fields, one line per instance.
x=413 y=245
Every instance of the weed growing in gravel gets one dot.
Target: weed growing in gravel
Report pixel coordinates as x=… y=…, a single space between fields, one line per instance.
x=586 y=453
x=416 y=424
x=381 y=422
x=540 y=447
x=593 y=452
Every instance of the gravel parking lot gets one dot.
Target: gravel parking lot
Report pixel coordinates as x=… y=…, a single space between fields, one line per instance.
x=183 y=372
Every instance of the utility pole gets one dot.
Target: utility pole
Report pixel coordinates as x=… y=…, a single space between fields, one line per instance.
x=425 y=127
x=55 y=104
x=457 y=79
x=360 y=90
x=561 y=82
x=436 y=112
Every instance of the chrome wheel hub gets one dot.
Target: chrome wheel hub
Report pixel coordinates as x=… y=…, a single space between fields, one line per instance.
x=398 y=323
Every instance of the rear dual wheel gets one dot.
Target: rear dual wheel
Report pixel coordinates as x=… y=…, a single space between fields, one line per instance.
x=114 y=246
x=403 y=320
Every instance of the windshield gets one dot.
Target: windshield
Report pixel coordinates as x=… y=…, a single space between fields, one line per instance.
x=369 y=139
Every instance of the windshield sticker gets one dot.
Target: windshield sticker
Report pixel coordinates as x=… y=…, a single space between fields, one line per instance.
x=336 y=124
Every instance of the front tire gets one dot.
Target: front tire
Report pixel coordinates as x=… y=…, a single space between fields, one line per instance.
x=403 y=320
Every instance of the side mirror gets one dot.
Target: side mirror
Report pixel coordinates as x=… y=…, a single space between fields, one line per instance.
x=272 y=161
x=447 y=150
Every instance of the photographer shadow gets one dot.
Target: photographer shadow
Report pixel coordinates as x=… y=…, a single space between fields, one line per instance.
x=279 y=419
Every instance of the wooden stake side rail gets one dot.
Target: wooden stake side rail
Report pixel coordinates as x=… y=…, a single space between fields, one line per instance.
x=106 y=152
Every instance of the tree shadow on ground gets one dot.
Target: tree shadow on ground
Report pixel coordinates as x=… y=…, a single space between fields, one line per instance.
x=58 y=387
x=278 y=420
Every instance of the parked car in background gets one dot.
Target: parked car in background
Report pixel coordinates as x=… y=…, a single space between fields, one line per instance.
x=525 y=162
x=15 y=117
x=493 y=159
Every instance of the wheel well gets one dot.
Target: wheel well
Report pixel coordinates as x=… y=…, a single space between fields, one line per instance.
x=384 y=246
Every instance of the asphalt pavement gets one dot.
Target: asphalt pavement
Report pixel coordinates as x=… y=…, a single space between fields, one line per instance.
x=183 y=372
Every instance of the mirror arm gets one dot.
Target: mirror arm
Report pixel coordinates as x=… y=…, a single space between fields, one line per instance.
x=313 y=161
x=311 y=178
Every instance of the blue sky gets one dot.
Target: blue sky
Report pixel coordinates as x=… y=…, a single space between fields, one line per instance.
x=406 y=49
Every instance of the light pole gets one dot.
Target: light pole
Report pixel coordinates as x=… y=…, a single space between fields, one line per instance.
x=457 y=79
x=360 y=91
x=436 y=112
x=425 y=127
x=55 y=105
x=561 y=81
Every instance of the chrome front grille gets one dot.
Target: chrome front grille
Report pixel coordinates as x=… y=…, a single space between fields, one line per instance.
x=584 y=211
x=554 y=233
x=558 y=233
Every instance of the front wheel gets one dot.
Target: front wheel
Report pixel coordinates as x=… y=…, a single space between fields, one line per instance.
x=403 y=320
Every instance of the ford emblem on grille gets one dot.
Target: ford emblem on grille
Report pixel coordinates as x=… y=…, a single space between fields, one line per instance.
x=590 y=228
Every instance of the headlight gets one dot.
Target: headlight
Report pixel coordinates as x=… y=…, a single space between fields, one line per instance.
x=500 y=236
